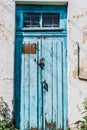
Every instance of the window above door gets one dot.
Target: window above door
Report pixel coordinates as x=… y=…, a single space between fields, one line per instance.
x=49 y=20
x=41 y=17
x=31 y=20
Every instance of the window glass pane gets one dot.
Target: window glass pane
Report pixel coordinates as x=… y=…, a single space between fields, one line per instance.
x=31 y=19
x=50 y=20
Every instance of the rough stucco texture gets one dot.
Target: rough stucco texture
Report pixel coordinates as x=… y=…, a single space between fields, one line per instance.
x=7 y=14
x=77 y=17
x=77 y=35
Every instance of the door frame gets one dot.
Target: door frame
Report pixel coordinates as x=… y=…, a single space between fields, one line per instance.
x=38 y=33
x=42 y=2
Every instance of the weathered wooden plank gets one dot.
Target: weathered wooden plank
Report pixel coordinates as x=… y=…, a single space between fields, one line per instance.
x=22 y=110
x=59 y=83
x=27 y=91
x=47 y=75
x=65 y=86
x=41 y=108
x=43 y=78
x=33 y=88
x=54 y=84
x=39 y=86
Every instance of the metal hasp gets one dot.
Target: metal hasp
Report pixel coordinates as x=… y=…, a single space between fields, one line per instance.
x=45 y=85
x=41 y=63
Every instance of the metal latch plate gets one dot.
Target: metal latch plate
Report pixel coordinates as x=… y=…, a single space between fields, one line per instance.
x=29 y=48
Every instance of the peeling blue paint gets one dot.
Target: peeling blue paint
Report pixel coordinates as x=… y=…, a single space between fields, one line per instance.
x=41 y=109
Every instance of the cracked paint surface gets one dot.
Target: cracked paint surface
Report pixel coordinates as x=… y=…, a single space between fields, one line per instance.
x=77 y=29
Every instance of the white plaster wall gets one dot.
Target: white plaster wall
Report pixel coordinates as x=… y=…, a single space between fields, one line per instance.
x=7 y=14
x=77 y=25
x=77 y=34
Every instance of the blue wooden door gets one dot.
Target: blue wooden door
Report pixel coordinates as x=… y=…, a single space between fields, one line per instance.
x=43 y=93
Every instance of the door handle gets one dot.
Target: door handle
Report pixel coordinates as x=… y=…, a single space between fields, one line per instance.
x=45 y=85
x=40 y=63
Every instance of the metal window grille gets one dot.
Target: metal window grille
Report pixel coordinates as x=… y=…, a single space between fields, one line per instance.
x=31 y=20
x=50 y=20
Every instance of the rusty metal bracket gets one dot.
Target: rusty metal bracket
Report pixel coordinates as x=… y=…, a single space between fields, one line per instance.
x=41 y=63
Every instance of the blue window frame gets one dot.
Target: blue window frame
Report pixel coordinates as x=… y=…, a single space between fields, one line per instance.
x=41 y=20
x=41 y=17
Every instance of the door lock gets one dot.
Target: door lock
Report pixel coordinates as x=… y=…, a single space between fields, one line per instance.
x=45 y=85
x=41 y=63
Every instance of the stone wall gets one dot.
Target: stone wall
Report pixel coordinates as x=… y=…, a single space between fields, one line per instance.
x=77 y=48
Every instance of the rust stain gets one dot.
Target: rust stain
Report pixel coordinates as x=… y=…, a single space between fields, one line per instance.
x=81 y=70
x=75 y=73
x=7 y=78
x=78 y=108
x=83 y=67
x=85 y=34
x=1 y=27
x=34 y=128
x=85 y=27
x=74 y=16
x=50 y=124
x=84 y=14
x=78 y=16
x=83 y=74
x=29 y=49
x=76 y=52
x=84 y=37
x=2 y=30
